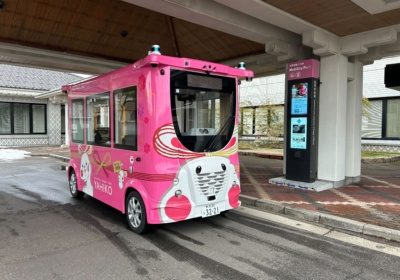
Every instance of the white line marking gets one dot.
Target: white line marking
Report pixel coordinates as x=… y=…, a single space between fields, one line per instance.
x=294 y=202
x=282 y=220
x=363 y=205
x=255 y=184
x=365 y=243
x=381 y=181
x=360 y=203
x=355 y=203
x=329 y=233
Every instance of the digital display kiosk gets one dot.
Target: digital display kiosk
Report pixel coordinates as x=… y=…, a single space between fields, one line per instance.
x=302 y=120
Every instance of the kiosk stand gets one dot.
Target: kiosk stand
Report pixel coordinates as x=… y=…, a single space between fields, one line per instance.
x=302 y=95
x=301 y=120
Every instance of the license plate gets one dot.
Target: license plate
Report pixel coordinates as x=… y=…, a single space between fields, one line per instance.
x=210 y=210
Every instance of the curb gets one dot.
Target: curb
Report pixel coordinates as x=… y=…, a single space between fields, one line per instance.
x=64 y=159
x=321 y=218
x=280 y=157
x=381 y=159
x=260 y=155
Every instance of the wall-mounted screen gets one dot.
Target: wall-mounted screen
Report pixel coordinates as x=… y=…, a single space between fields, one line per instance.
x=298 y=133
x=299 y=97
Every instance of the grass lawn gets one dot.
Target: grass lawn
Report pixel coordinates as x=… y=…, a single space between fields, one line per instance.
x=378 y=154
x=275 y=148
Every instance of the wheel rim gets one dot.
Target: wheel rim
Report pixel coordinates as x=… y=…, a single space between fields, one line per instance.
x=72 y=183
x=134 y=212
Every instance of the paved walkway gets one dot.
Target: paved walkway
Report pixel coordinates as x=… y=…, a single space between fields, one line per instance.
x=375 y=200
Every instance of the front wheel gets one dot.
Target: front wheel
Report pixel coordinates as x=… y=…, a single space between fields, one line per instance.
x=73 y=186
x=135 y=213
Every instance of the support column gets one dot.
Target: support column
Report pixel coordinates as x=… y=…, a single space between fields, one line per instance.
x=332 y=119
x=66 y=124
x=353 y=133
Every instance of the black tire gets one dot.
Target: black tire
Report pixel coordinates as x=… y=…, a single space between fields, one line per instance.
x=135 y=213
x=73 y=186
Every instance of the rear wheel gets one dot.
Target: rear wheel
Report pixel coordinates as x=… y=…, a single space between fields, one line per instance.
x=135 y=213
x=73 y=186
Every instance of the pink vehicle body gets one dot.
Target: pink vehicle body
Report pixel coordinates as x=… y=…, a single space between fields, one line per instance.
x=162 y=169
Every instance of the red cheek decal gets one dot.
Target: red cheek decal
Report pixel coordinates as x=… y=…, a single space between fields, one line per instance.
x=178 y=208
x=233 y=195
x=175 y=142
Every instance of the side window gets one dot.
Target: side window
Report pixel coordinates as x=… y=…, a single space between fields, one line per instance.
x=98 y=119
x=125 y=126
x=77 y=120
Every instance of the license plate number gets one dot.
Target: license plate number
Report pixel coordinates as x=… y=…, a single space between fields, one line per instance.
x=210 y=210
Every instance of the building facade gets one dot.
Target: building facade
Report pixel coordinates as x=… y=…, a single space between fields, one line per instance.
x=262 y=109
x=26 y=120
x=381 y=119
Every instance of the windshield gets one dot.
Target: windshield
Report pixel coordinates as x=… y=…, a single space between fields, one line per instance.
x=203 y=109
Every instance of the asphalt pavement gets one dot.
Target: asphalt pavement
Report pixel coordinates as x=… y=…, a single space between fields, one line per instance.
x=45 y=234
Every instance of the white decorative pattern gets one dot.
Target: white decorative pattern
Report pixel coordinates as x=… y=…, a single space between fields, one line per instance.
x=381 y=148
x=23 y=142
x=54 y=124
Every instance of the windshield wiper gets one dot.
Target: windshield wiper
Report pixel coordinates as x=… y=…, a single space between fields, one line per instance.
x=211 y=143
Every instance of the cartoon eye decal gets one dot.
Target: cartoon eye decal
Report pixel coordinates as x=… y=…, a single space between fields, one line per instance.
x=131 y=159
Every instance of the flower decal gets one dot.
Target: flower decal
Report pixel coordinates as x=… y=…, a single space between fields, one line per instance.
x=141 y=111
x=142 y=82
x=146 y=148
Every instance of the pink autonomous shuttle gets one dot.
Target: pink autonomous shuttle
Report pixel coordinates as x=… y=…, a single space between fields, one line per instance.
x=157 y=139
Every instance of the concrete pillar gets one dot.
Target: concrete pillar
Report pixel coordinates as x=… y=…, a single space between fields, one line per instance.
x=66 y=124
x=353 y=133
x=332 y=119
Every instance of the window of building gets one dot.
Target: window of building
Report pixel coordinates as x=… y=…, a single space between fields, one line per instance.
x=5 y=118
x=62 y=119
x=125 y=121
x=22 y=118
x=393 y=118
x=381 y=119
x=77 y=120
x=248 y=121
x=372 y=120
x=38 y=118
x=98 y=119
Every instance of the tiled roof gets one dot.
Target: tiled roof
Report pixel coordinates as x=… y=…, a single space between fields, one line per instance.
x=32 y=78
